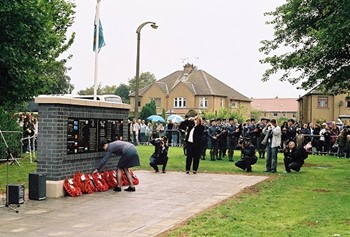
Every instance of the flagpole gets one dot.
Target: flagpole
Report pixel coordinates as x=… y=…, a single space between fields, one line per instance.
x=97 y=32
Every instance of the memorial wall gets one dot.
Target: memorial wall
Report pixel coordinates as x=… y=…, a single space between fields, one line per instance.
x=70 y=131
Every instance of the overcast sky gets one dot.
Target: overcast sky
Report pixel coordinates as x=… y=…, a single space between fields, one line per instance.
x=220 y=37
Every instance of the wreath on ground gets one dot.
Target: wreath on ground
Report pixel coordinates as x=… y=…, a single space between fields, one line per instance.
x=88 y=183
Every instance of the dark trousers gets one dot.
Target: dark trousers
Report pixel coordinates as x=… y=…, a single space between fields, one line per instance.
x=290 y=165
x=193 y=154
x=155 y=162
x=246 y=163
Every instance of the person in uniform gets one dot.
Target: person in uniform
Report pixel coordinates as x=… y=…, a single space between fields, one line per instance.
x=260 y=137
x=128 y=158
x=213 y=133
x=222 y=140
x=232 y=131
x=160 y=154
x=248 y=157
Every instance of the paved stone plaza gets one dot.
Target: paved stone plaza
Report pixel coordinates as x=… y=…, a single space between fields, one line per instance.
x=161 y=201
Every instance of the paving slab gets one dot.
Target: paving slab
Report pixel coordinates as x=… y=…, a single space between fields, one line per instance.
x=161 y=201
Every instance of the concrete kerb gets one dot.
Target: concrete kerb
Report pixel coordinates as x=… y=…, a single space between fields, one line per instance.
x=161 y=202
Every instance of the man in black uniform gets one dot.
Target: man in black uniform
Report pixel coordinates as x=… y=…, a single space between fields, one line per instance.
x=160 y=154
x=213 y=133
x=248 y=156
x=232 y=131
x=183 y=127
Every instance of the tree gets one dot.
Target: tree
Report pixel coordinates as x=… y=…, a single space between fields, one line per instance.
x=32 y=37
x=90 y=90
x=107 y=90
x=123 y=91
x=146 y=78
x=148 y=110
x=316 y=34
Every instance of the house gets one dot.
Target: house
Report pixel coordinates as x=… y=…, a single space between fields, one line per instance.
x=316 y=106
x=192 y=89
x=276 y=107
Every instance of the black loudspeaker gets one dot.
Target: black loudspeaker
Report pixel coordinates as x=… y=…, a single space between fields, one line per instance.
x=37 y=186
x=15 y=194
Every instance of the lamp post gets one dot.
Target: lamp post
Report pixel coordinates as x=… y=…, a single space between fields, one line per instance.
x=138 y=32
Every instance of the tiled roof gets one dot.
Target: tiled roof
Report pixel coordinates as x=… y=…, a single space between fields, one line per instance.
x=275 y=104
x=200 y=83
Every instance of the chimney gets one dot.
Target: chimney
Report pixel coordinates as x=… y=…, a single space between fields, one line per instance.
x=188 y=68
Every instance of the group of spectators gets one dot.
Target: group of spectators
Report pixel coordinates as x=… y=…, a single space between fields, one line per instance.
x=221 y=136
x=141 y=132
x=29 y=125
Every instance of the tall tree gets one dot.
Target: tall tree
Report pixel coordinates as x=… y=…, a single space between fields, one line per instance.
x=32 y=37
x=146 y=78
x=123 y=91
x=316 y=36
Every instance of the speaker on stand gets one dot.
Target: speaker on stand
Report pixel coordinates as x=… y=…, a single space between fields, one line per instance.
x=37 y=186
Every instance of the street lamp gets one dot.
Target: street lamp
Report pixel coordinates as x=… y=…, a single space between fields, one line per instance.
x=138 y=32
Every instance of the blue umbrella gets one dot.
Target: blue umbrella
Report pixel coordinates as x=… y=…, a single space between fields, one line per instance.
x=156 y=118
x=175 y=118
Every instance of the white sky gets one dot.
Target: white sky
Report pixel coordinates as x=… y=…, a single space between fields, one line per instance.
x=221 y=37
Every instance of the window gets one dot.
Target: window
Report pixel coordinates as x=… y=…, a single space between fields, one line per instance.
x=203 y=102
x=180 y=102
x=347 y=103
x=322 y=102
x=222 y=104
x=234 y=104
x=275 y=114
x=157 y=101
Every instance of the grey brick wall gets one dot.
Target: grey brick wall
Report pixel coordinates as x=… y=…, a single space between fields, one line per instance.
x=52 y=157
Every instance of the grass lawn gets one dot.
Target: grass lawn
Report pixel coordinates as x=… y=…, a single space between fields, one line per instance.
x=314 y=202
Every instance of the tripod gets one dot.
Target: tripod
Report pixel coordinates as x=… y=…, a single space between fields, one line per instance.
x=9 y=157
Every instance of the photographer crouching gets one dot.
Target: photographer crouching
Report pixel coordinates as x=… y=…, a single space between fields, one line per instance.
x=248 y=157
x=294 y=157
x=160 y=154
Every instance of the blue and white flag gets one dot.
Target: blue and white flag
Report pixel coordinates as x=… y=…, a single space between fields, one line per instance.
x=101 y=41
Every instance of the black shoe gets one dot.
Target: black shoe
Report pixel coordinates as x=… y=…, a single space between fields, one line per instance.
x=130 y=189
x=117 y=189
x=194 y=172
x=187 y=172
x=163 y=172
x=267 y=171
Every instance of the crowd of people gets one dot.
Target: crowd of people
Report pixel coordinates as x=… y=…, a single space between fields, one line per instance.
x=222 y=137
x=29 y=125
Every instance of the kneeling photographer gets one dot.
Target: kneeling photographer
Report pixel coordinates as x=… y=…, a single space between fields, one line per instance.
x=160 y=154
x=248 y=157
x=294 y=157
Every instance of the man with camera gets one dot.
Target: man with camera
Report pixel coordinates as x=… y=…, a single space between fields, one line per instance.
x=294 y=157
x=273 y=140
x=160 y=154
x=248 y=155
